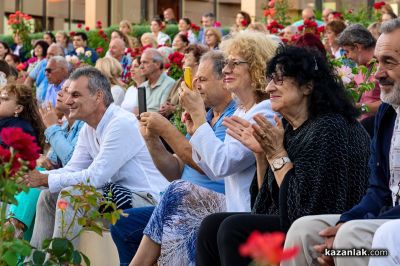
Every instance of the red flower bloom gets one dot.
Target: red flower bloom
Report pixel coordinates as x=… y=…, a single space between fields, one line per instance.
x=320 y=29
x=167 y=65
x=22 y=142
x=98 y=22
x=267 y=248
x=284 y=40
x=194 y=27
x=379 y=5
x=350 y=11
x=5 y=154
x=99 y=50
x=271 y=3
x=176 y=58
x=300 y=28
x=244 y=22
x=87 y=28
x=101 y=33
x=72 y=33
x=62 y=204
x=217 y=24
x=79 y=25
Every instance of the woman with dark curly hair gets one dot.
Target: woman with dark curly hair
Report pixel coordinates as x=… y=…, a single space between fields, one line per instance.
x=316 y=162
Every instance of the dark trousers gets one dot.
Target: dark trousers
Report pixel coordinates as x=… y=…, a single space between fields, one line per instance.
x=221 y=234
x=127 y=233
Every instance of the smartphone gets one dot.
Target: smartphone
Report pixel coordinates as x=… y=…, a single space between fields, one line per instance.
x=188 y=77
x=142 y=100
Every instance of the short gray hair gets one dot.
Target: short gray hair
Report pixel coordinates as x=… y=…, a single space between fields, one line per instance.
x=60 y=61
x=218 y=60
x=156 y=56
x=96 y=82
x=59 y=48
x=390 y=25
x=356 y=33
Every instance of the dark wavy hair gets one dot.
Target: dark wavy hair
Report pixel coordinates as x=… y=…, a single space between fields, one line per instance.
x=306 y=65
x=26 y=97
x=44 y=46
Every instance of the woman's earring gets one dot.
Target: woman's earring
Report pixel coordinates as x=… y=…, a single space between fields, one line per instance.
x=15 y=114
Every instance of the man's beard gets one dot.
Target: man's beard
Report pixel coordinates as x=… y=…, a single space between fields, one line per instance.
x=392 y=97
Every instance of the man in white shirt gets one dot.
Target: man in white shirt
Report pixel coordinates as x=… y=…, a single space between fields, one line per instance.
x=110 y=149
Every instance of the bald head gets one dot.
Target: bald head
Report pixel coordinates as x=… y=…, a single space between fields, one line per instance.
x=55 y=50
x=308 y=14
x=117 y=48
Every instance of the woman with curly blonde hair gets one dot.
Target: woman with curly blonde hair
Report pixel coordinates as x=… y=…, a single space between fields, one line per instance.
x=112 y=69
x=171 y=233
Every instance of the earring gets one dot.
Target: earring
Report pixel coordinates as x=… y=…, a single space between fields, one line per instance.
x=15 y=114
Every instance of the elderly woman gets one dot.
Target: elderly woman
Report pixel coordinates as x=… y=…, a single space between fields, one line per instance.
x=316 y=164
x=112 y=69
x=168 y=236
x=212 y=37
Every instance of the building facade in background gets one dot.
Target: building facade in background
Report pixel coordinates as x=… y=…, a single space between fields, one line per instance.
x=66 y=14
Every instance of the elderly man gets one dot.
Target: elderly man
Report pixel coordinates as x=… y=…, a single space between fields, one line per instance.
x=158 y=84
x=358 y=45
x=80 y=40
x=209 y=83
x=356 y=227
x=169 y=16
x=110 y=154
x=56 y=73
x=38 y=75
x=117 y=50
x=307 y=14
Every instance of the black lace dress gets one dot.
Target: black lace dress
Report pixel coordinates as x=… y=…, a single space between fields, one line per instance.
x=330 y=173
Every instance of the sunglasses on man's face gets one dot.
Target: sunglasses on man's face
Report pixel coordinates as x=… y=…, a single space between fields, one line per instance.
x=48 y=70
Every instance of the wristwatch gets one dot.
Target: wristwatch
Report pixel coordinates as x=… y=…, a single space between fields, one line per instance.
x=278 y=163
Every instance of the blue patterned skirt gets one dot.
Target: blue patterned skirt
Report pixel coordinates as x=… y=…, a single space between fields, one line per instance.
x=175 y=221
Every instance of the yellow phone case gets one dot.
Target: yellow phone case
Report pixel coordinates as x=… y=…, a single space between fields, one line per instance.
x=187 y=77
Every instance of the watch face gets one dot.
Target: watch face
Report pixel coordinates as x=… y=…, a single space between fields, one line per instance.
x=277 y=163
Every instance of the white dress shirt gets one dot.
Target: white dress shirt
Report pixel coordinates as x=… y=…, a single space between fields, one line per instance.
x=230 y=159
x=113 y=152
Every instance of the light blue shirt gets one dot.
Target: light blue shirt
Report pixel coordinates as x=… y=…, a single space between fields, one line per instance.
x=62 y=141
x=191 y=175
x=39 y=76
x=301 y=22
x=51 y=94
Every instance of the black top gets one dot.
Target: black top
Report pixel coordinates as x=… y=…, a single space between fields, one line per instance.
x=330 y=173
x=18 y=122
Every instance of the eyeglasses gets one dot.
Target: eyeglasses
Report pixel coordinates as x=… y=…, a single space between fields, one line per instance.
x=210 y=35
x=276 y=78
x=48 y=70
x=234 y=63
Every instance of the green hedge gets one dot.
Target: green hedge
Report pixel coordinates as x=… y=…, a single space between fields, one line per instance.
x=138 y=30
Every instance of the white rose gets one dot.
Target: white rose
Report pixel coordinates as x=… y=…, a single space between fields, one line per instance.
x=88 y=53
x=74 y=59
x=80 y=50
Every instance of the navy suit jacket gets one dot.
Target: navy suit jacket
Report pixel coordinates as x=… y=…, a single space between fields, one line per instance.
x=378 y=203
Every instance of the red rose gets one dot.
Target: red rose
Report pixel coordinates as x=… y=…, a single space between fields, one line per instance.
x=22 y=142
x=267 y=248
x=87 y=28
x=271 y=3
x=101 y=32
x=320 y=29
x=284 y=40
x=79 y=25
x=72 y=33
x=167 y=65
x=379 y=5
x=217 y=24
x=5 y=154
x=266 y=12
x=98 y=22
x=99 y=50
x=244 y=22
x=273 y=30
x=300 y=28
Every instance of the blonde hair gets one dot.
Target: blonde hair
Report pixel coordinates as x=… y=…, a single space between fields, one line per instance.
x=216 y=32
x=110 y=67
x=257 y=49
x=126 y=23
x=148 y=39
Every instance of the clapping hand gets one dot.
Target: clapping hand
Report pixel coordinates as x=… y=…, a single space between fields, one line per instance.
x=49 y=115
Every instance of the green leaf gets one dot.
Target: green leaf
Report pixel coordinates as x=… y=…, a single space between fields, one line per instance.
x=76 y=257
x=38 y=257
x=46 y=243
x=59 y=246
x=86 y=259
x=11 y=258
